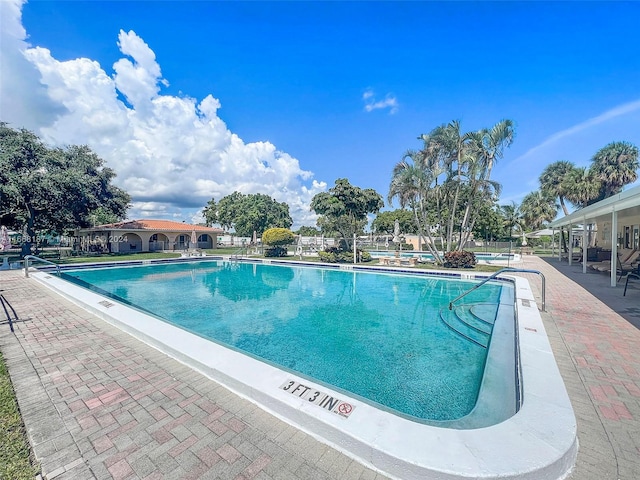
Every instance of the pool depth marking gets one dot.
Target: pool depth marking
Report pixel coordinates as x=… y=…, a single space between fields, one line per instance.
x=316 y=397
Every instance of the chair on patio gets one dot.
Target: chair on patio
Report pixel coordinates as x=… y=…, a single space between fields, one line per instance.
x=626 y=284
x=624 y=267
x=625 y=257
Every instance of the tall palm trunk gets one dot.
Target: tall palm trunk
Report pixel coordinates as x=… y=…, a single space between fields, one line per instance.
x=454 y=207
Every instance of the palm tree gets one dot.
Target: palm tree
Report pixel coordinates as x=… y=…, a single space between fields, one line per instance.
x=468 y=159
x=449 y=146
x=581 y=187
x=494 y=141
x=615 y=165
x=414 y=183
x=511 y=217
x=537 y=208
x=483 y=150
x=553 y=181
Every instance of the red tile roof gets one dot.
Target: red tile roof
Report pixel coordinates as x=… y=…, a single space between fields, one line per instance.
x=158 y=225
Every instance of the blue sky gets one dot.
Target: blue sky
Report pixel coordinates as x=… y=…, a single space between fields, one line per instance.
x=193 y=100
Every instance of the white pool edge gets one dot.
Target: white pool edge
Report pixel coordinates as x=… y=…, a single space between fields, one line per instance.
x=538 y=443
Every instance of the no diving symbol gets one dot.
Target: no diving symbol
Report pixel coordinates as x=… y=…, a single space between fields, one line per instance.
x=345 y=409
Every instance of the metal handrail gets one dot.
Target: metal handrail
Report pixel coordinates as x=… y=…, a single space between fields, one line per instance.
x=494 y=275
x=29 y=257
x=238 y=253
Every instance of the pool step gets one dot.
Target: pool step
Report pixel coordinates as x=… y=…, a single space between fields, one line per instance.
x=472 y=321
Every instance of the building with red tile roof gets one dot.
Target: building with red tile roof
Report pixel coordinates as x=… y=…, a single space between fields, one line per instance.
x=148 y=236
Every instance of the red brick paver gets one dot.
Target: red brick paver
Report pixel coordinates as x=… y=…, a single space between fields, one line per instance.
x=598 y=353
x=133 y=412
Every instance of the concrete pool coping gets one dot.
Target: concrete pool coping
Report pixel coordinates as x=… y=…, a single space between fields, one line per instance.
x=538 y=442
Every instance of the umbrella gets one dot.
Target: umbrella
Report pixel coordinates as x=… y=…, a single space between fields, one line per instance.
x=194 y=239
x=254 y=240
x=544 y=232
x=5 y=242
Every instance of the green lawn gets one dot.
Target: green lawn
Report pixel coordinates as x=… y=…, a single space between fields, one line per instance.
x=15 y=458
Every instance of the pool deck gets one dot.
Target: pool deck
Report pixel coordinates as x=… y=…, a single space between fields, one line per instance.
x=98 y=403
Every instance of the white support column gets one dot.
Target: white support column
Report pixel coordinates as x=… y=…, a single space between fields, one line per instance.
x=570 y=244
x=560 y=244
x=614 y=248
x=584 y=246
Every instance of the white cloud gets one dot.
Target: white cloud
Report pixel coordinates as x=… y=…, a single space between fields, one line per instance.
x=172 y=154
x=23 y=99
x=371 y=104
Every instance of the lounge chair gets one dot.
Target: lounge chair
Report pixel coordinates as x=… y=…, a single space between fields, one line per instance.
x=575 y=256
x=626 y=267
x=625 y=255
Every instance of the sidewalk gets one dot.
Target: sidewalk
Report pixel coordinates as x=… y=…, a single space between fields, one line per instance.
x=99 y=404
x=598 y=353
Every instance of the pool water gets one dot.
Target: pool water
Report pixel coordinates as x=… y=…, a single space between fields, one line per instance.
x=376 y=336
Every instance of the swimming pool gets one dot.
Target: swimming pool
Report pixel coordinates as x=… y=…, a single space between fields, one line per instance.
x=378 y=336
x=488 y=258
x=538 y=442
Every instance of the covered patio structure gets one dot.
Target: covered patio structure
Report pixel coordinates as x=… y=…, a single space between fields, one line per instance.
x=147 y=236
x=612 y=223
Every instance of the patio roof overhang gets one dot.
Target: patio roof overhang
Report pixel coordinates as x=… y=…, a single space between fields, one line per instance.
x=626 y=204
x=615 y=210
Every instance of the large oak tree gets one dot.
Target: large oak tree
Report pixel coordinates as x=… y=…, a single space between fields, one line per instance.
x=53 y=190
x=344 y=208
x=248 y=213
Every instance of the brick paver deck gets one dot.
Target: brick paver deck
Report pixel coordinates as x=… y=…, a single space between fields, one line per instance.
x=98 y=403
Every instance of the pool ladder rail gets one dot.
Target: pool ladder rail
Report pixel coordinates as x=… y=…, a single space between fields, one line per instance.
x=495 y=275
x=473 y=321
x=472 y=325
x=29 y=258
x=239 y=253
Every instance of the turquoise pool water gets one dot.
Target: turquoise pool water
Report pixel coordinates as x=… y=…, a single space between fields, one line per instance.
x=376 y=336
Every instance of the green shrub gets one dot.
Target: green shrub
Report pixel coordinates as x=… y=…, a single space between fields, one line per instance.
x=275 y=252
x=328 y=257
x=459 y=259
x=336 y=255
x=277 y=237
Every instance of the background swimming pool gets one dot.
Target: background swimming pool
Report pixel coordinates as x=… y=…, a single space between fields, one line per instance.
x=427 y=257
x=376 y=336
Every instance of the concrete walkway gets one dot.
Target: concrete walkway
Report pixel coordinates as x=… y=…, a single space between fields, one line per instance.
x=598 y=353
x=98 y=403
